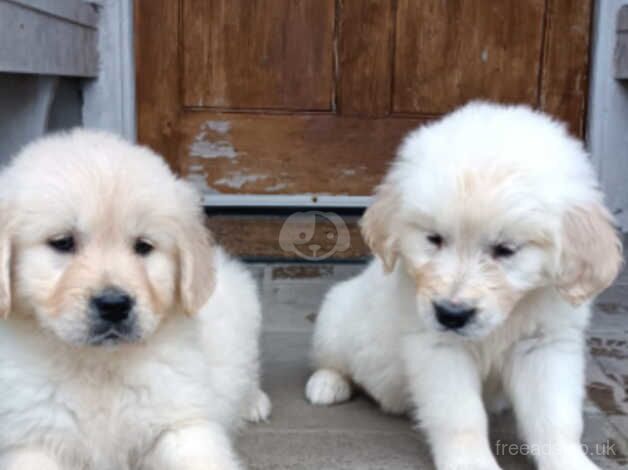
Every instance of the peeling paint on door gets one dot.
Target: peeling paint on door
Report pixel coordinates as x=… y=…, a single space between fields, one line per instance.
x=276 y=187
x=237 y=180
x=206 y=147
x=222 y=127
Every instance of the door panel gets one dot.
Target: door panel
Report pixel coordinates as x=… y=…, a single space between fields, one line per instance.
x=449 y=52
x=365 y=49
x=564 y=80
x=313 y=96
x=262 y=54
x=236 y=153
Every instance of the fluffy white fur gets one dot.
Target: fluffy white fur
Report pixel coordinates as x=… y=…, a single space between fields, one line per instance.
x=498 y=208
x=167 y=397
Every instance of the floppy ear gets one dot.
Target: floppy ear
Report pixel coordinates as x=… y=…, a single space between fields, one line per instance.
x=196 y=272
x=378 y=225
x=591 y=253
x=5 y=271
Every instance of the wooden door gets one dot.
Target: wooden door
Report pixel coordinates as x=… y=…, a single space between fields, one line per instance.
x=268 y=97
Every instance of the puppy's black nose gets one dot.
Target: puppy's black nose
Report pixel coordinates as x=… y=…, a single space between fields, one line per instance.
x=113 y=305
x=453 y=315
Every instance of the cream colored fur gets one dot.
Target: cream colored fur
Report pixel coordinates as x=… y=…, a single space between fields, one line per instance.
x=483 y=181
x=168 y=397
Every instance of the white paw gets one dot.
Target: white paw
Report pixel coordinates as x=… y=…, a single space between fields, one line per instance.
x=326 y=387
x=259 y=409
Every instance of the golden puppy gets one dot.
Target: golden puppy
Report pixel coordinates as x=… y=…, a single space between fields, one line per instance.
x=129 y=341
x=492 y=239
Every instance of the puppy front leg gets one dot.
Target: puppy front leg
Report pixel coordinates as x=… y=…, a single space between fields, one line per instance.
x=257 y=407
x=546 y=383
x=446 y=388
x=28 y=459
x=195 y=447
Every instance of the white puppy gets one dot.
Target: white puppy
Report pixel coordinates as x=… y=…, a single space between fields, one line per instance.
x=129 y=342
x=492 y=238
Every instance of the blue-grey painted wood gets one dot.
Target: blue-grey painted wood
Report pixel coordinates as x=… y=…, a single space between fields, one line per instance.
x=25 y=103
x=36 y=41
x=621 y=49
x=34 y=105
x=109 y=100
x=608 y=111
x=77 y=11
x=622 y=19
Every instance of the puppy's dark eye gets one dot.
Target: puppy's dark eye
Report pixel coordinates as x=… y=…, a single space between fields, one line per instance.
x=435 y=239
x=142 y=247
x=63 y=244
x=502 y=250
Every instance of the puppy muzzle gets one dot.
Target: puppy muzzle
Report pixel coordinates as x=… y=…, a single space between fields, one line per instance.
x=453 y=315
x=112 y=318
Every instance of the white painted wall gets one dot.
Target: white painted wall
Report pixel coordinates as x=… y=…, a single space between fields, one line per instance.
x=608 y=112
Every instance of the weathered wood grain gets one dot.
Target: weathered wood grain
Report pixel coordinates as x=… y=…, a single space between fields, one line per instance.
x=241 y=153
x=157 y=75
x=258 y=54
x=258 y=237
x=448 y=53
x=365 y=40
x=564 y=81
